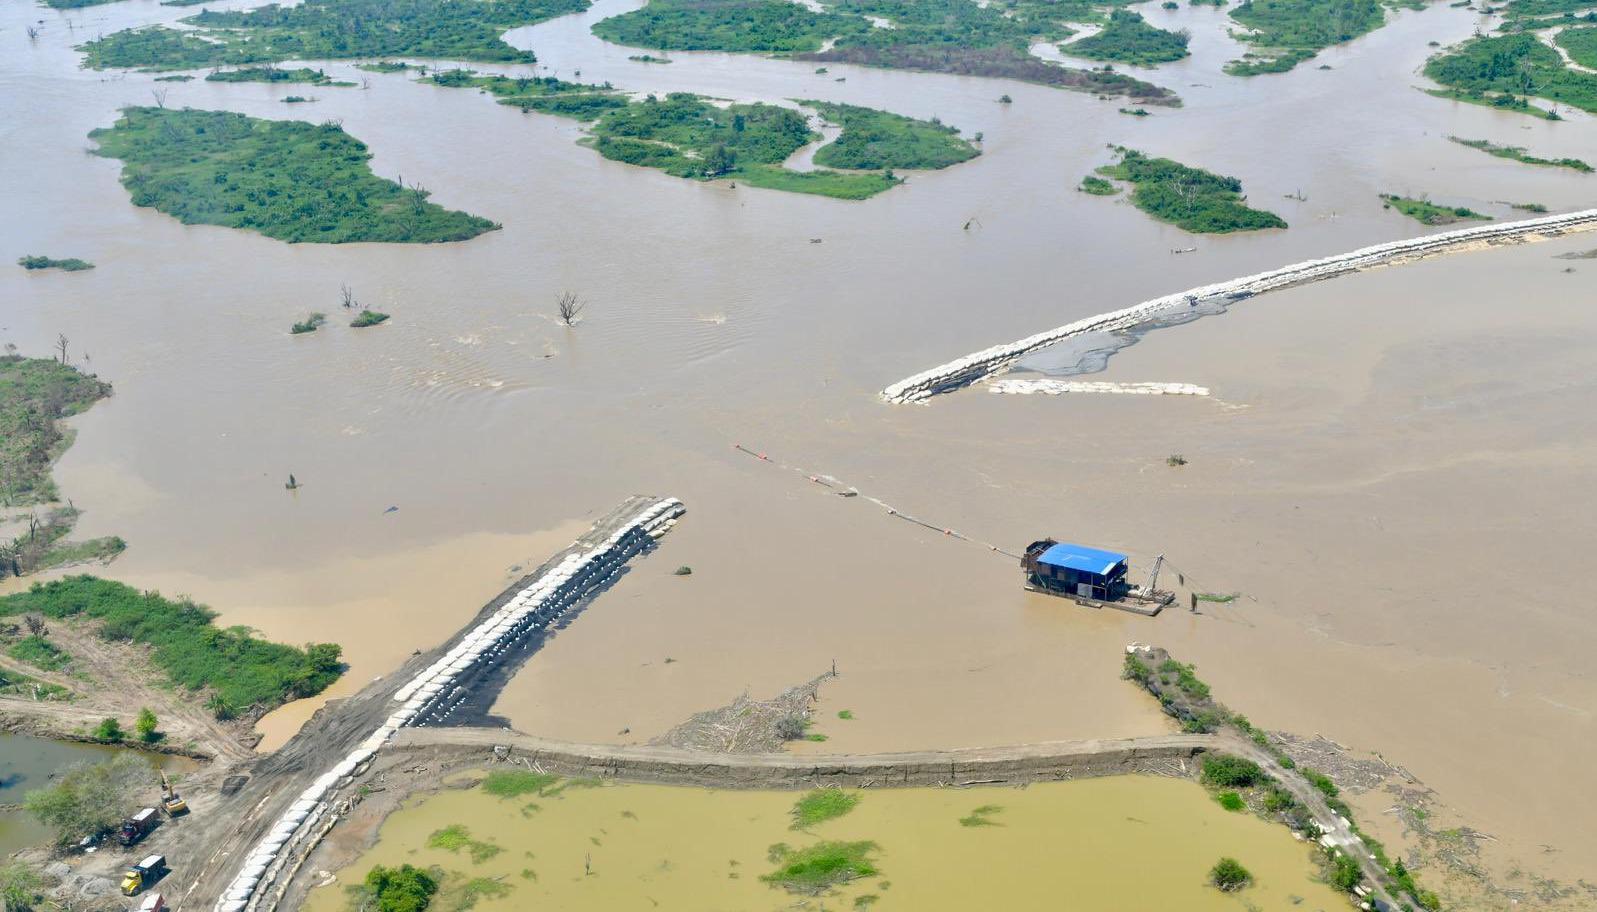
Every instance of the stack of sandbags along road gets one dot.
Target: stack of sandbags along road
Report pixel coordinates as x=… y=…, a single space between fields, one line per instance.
x=545 y=600
x=973 y=367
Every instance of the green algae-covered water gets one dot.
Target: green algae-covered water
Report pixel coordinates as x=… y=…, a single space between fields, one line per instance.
x=1124 y=843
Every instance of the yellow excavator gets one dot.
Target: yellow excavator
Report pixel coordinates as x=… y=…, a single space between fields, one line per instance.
x=170 y=800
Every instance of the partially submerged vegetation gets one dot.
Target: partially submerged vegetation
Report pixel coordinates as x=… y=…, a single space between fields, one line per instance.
x=1229 y=875
x=821 y=805
x=240 y=674
x=981 y=817
x=308 y=325
x=1504 y=71
x=1518 y=154
x=814 y=869
x=1128 y=38
x=944 y=36
x=1285 y=33
x=1239 y=782
x=35 y=395
x=89 y=799
x=1097 y=186
x=368 y=318
x=71 y=264
x=290 y=180
x=688 y=136
x=1191 y=198
x=273 y=74
x=1580 y=43
x=331 y=29
x=1428 y=212
x=875 y=140
x=404 y=888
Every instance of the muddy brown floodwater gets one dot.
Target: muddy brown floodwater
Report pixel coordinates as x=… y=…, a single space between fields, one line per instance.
x=1395 y=468
x=622 y=846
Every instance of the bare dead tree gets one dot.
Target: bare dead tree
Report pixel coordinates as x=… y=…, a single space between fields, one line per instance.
x=569 y=307
x=160 y=97
x=348 y=296
x=33 y=33
x=61 y=344
x=365 y=82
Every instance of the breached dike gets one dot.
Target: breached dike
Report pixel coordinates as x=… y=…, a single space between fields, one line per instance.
x=432 y=694
x=973 y=367
x=1025 y=386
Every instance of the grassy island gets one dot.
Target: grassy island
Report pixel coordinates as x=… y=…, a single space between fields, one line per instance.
x=70 y=264
x=943 y=36
x=1429 y=213
x=1128 y=38
x=331 y=29
x=1520 y=155
x=35 y=394
x=687 y=136
x=1288 y=32
x=304 y=75
x=1097 y=186
x=290 y=180
x=241 y=674
x=877 y=140
x=1505 y=70
x=1190 y=198
x=757 y=26
x=1581 y=44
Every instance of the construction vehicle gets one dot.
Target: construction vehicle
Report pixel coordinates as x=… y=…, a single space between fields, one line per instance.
x=141 y=875
x=137 y=827
x=155 y=902
x=171 y=800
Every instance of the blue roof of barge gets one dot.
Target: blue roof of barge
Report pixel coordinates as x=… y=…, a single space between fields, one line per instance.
x=1082 y=558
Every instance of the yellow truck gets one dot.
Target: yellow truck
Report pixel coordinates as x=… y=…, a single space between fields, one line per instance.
x=143 y=874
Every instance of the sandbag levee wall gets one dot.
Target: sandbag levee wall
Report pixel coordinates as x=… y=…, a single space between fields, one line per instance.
x=973 y=367
x=431 y=692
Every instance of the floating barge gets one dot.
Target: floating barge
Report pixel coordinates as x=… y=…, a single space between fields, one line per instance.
x=1090 y=576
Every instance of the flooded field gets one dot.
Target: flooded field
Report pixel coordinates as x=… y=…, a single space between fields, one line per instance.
x=1132 y=843
x=1393 y=469
x=30 y=763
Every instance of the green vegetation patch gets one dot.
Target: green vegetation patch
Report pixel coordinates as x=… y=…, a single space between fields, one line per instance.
x=20 y=685
x=1229 y=875
x=1231 y=801
x=821 y=805
x=304 y=75
x=981 y=817
x=1190 y=198
x=1288 y=32
x=1520 y=155
x=1230 y=771
x=1428 y=212
x=944 y=36
x=1128 y=38
x=71 y=264
x=89 y=799
x=386 y=66
x=875 y=140
x=515 y=783
x=289 y=180
x=35 y=394
x=1514 y=67
x=1097 y=186
x=368 y=318
x=402 y=889
x=455 y=838
x=40 y=653
x=329 y=30
x=814 y=869
x=74 y=4
x=759 y=26
x=243 y=674
x=687 y=136
x=308 y=325
x=1580 y=43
